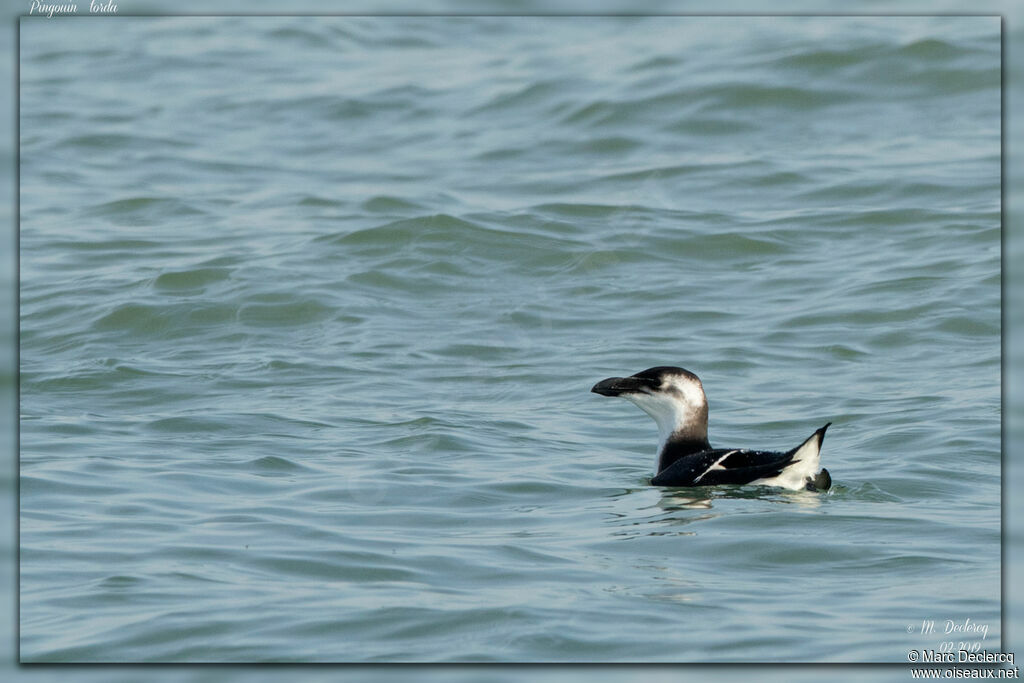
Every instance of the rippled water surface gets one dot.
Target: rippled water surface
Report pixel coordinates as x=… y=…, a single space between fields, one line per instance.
x=310 y=309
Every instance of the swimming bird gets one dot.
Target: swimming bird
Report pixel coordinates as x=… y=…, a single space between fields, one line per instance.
x=675 y=398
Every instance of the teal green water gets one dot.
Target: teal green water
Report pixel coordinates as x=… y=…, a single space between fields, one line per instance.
x=310 y=309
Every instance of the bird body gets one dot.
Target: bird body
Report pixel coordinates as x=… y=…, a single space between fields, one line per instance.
x=675 y=398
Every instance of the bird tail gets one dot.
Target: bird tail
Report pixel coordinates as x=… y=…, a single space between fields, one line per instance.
x=808 y=455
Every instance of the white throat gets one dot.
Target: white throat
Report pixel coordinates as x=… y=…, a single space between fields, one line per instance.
x=679 y=408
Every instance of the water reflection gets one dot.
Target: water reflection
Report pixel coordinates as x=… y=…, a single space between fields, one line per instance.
x=653 y=511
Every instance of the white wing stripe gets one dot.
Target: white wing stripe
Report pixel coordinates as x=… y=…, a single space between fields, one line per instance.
x=716 y=465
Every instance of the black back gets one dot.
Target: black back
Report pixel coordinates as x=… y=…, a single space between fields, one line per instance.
x=741 y=467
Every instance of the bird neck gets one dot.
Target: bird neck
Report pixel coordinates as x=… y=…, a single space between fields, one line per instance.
x=681 y=444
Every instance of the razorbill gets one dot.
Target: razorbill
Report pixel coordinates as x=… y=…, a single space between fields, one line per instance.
x=674 y=397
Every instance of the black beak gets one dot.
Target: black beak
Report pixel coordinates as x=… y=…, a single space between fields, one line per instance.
x=615 y=386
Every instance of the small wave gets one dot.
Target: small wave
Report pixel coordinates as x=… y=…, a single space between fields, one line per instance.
x=95 y=53
x=758 y=96
x=697 y=125
x=389 y=204
x=883 y=217
x=274 y=464
x=187 y=425
x=540 y=93
x=119 y=582
x=609 y=144
x=107 y=141
x=932 y=49
x=829 y=60
x=692 y=102
x=656 y=63
x=579 y=210
x=867 y=492
x=110 y=248
x=969 y=326
x=284 y=314
x=194 y=279
x=321 y=202
x=157 y=319
x=436 y=226
x=300 y=36
x=723 y=246
x=135 y=210
x=50 y=485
